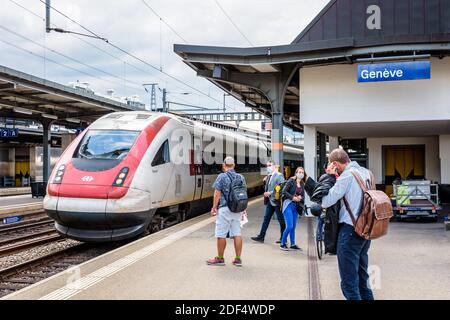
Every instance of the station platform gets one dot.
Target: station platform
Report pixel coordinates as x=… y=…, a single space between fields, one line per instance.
x=19 y=204
x=412 y=262
x=5 y=192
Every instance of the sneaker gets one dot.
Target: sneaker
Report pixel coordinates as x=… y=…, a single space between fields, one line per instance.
x=215 y=262
x=278 y=241
x=284 y=247
x=258 y=239
x=237 y=262
x=295 y=247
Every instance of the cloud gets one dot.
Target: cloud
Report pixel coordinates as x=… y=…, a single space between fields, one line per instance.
x=133 y=27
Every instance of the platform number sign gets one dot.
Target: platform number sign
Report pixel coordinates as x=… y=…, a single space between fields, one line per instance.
x=9 y=133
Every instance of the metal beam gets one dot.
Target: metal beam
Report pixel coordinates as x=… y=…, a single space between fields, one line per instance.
x=42 y=101
x=227 y=116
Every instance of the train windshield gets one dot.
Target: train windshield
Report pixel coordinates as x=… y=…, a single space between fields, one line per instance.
x=106 y=144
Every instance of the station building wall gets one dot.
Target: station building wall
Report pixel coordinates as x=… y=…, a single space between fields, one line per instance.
x=336 y=86
x=444 y=158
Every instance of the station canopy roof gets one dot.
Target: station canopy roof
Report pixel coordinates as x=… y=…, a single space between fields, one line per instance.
x=344 y=31
x=24 y=96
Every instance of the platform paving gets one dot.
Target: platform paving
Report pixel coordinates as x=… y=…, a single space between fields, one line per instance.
x=412 y=262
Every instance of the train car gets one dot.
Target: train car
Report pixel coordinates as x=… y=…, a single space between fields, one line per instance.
x=137 y=172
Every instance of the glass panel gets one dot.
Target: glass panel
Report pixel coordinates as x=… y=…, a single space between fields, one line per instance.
x=106 y=144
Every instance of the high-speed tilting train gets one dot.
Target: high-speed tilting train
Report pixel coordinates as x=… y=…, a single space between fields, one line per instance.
x=135 y=172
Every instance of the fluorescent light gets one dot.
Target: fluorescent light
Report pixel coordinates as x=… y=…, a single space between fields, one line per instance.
x=73 y=120
x=22 y=110
x=49 y=116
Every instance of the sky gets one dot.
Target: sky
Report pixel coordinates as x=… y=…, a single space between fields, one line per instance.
x=132 y=26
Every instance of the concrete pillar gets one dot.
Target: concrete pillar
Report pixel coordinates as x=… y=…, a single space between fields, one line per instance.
x=310 y=147
x=66 y=139
x=310 y=151
x=46 y=144
x=322 y=153
x=333 y=143
x=277 y=139
x=444 y=157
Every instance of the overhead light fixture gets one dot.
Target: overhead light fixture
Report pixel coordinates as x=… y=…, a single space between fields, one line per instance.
x=73 y=120
x=49 y=116
x=395 y=58
x=22 y=110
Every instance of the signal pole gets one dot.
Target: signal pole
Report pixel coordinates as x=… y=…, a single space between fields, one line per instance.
x=47 y=16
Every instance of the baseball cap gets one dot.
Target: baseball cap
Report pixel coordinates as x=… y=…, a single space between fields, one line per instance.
x=229 y=161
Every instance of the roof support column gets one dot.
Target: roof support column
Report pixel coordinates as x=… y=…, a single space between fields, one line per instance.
x=322 y=153
x=310 y=152
x=46 y=143
x=334 y=142
x=277 y=138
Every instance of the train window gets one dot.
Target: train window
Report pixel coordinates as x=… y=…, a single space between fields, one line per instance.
x=163 y=155
x=106 y=144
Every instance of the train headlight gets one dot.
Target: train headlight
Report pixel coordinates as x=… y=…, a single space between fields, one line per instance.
x=59 y=174
x=119 y=180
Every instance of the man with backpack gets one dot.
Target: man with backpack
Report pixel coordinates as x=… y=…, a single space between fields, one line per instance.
x=364 y=215
x=230 y=201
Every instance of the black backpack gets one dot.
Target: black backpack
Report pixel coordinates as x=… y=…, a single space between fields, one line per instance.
x=237 y=199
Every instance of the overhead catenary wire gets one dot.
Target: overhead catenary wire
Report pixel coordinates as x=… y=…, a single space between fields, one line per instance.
x=164 y=21
x=87 y=43
x=232 y=22
x=66 y=56
x=81 y=39
x=134 y=56
x=49 y=59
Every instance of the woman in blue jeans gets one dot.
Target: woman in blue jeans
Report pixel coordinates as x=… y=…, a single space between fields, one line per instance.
x=293 y=203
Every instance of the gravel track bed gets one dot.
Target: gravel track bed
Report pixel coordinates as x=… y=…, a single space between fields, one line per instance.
x=36 y=252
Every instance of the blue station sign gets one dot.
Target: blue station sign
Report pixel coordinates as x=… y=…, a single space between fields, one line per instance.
x=9 y=132
x=413 y=70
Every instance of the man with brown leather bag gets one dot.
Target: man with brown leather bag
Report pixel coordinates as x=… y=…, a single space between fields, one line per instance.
x=364 y=215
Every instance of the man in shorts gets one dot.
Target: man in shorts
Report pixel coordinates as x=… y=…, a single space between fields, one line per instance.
x=227 y=222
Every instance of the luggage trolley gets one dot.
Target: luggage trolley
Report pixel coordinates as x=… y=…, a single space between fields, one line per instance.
x=416 y=198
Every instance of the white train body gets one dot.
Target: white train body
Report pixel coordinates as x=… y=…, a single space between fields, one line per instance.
x=123 y=175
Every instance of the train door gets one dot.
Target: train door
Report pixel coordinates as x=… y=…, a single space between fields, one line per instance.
x=196 y=167
x=162 y=168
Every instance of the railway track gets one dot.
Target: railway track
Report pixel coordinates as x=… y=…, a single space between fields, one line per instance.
x=29 y=272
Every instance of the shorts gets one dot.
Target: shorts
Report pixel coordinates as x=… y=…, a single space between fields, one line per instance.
x=227 y=222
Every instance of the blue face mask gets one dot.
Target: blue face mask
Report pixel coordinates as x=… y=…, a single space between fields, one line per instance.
x=269 y=170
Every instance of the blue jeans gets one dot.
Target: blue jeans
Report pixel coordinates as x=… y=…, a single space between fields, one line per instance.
x=290 y=217
x=353 y=261
x=320 y=225
x=267 y=216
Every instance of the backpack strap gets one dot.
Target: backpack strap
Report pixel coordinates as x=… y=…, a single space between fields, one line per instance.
x=229 y=175
x=363 y=187
x=347 y=206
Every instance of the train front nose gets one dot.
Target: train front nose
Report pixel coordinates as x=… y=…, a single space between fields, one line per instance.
x=90 y=191
x=97 y=206
x=101 y=219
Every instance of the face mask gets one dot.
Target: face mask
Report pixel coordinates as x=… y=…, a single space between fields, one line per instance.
x=269 y=170
x=300 y=175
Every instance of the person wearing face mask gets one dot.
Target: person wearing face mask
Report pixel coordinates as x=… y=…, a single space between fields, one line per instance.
x=272 y=180
x=293 y=204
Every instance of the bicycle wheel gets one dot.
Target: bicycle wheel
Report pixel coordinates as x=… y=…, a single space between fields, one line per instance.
x=320 y=246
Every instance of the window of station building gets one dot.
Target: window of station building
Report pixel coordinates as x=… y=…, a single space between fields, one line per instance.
x=163 y=155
